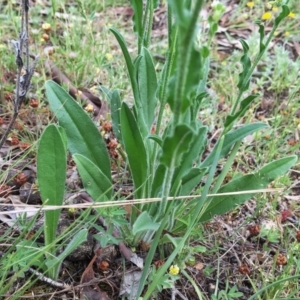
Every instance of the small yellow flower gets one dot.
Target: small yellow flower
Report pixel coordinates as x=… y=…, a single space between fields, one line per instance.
x=89 y=108
x=275 y=8
x=78 y=93
x=46 y=26
x=250 y=4
x=98 y=71
x=72 y=211
x=292 y=15
x=266 y=16
x=94 y=89
x=174 y=270
x=287 y=33
x=108 y=56
x=269 y=5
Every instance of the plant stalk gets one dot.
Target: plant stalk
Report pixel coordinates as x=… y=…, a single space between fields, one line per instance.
x=185 y=45
x=251 y=70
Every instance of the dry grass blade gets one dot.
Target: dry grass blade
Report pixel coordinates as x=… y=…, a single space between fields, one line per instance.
x=133 y=201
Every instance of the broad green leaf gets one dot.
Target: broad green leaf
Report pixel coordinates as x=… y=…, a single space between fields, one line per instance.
x=139 y=105
x=51 y=174
x=245 y=103
x=143 y=223
x=147 y=82
x=176 y=145
x=94 y=180
x=135 y=149
x=194 y=75
x=277 y=168
x=231 y=138
x=259 y=180
x=83 y=136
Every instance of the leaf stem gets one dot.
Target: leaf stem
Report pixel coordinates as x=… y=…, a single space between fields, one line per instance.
x=190 y=227
x=148 y=21
x=186 y=40
x=227 y=166
x=254 y=65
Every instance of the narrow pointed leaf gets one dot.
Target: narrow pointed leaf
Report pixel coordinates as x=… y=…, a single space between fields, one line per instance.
x=158 y=180
x=245 y=103
x=115 y=103
x=156 y=138
x=134 y=146
x=260 y=180
x=196 y=148
x=244 y=82
x=79 y=238
x=137 y=18
x=128 y=60
x=147 y=82
x=284 y=13
x=191 y=180
x=262 y=46
x=231 y=138
x=181 y=14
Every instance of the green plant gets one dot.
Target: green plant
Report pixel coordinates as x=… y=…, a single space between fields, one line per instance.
x=52 y=165
x=272 y=235
x=227 y=294
x=169 y=163
x=271 y=285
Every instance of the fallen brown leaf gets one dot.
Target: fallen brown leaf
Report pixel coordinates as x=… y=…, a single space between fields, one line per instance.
x=87 y=291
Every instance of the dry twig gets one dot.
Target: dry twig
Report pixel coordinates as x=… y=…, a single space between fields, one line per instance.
x=25 y=71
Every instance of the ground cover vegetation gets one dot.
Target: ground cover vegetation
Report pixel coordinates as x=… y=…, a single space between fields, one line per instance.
x=149 y=150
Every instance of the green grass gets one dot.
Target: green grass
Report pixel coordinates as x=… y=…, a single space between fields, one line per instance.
x=88 y=54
